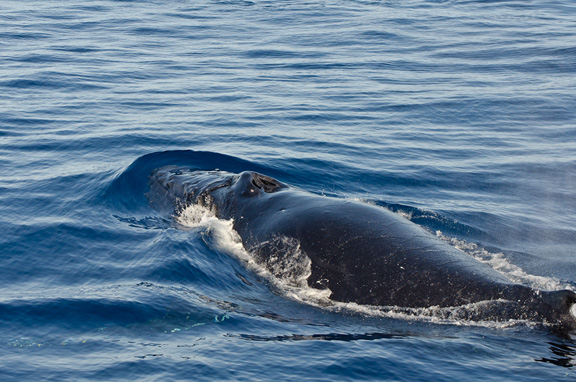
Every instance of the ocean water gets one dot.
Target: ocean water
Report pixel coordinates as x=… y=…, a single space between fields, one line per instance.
x=458 y=115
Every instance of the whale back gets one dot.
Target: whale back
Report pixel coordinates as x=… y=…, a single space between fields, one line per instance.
x=362 y=253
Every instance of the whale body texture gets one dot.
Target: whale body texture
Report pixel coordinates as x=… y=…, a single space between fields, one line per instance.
x=362 y=253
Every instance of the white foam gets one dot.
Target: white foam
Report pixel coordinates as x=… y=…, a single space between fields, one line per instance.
x=466 y=315
x=498 y=262
x=223 y=236
x=287 y=268
x=286 y=261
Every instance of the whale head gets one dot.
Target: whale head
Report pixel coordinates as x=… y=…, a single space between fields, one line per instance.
x=174 y=188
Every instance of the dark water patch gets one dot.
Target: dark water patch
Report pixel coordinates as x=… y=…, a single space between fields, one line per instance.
x=379 y=35
x=41 y=59
x=564 y=354
x=24 y=35
x=346 y=337
x=306 y=66
x=91 y=7
x=135 y=105
x=149 y=31
x=187 y=14
x=229 y=98
x=34 y=84
x=314 y=117
x=78 y=49
x=276 y=54
x=51 y=82
x=77 y=313
x=9 y=133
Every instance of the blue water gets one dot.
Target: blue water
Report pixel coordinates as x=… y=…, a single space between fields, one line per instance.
x=460 y=115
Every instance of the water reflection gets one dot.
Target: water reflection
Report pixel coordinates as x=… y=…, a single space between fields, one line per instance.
x=564 y=354
x=345 y=337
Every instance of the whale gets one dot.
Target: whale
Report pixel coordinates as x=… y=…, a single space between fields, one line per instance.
x=361 y=253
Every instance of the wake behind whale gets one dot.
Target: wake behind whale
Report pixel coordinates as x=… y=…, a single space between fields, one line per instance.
x=356 y=252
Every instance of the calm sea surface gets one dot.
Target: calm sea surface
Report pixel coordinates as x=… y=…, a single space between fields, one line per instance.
x=459 y=115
